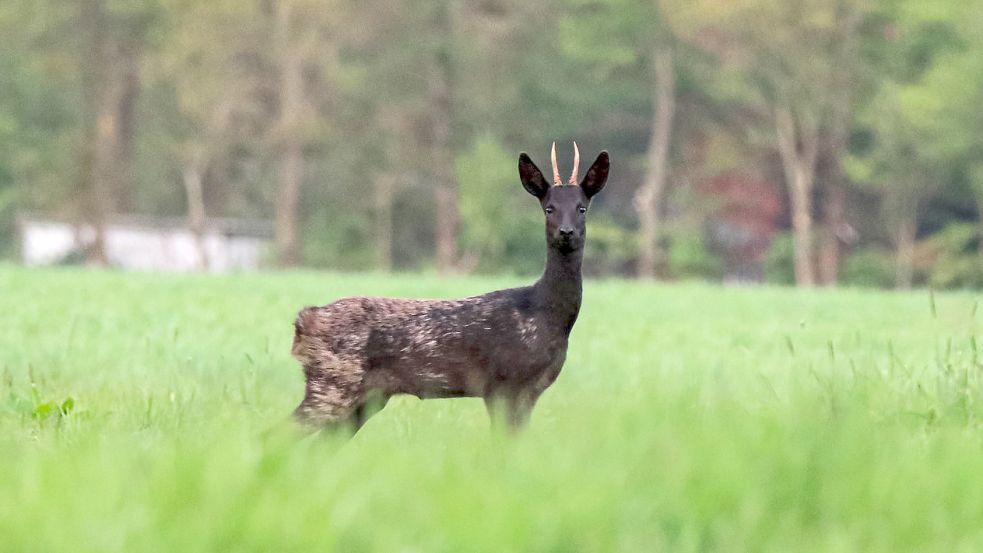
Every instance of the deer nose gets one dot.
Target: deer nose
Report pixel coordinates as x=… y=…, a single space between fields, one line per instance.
x=566 y=231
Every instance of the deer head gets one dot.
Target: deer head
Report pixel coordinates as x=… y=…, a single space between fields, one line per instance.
x=565 y=204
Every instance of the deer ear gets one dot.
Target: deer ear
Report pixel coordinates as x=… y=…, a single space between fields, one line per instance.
x=597 y=175
x=531 y=177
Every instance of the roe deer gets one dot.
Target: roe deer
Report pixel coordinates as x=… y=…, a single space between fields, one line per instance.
x=505 y=346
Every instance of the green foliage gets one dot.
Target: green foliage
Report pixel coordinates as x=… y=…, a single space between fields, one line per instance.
x=337 y=239
x=687 y=418
x=612 y=248
x=36 y=121
x=43 y=410
x=613 y=33
x=689 y=257
x=868 y=267
x=778 y=262
x=956 y=258
x=502 y=223
x=947 y=101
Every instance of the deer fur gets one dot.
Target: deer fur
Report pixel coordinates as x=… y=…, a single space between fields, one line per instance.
x=506 y=346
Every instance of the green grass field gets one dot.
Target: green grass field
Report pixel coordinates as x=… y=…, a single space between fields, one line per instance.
x=141 y=412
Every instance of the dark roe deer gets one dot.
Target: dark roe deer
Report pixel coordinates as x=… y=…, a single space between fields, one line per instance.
x=505 y=346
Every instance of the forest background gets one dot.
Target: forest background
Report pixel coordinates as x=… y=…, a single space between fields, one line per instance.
x=815 y=142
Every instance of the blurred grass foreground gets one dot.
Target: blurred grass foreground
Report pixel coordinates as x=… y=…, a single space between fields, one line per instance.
x=136 y=414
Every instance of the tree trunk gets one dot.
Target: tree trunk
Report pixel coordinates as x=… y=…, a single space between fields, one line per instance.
x=834 y=194
x=798 y=144
x=905 y=243
x=192 y=176
x=442 y=153
x=291 y=154
x=979 y=238
x=834 y=210
x=384 y=222
x=845 y=80
x=130 y=84
x=111 y=87
x=101 y=136
x=108 y=171
x=648 y=197
x=291 y=170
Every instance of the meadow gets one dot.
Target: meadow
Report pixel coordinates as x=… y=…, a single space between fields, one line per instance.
x=145 y=412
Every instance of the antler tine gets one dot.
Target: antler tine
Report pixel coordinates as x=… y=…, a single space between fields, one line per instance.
x=556 y=169
x=576 y=165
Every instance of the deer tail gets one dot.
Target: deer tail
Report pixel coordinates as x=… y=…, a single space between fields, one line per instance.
x=304 y=321
x=304 y=325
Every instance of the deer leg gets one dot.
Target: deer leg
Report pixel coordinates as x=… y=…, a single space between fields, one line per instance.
x=519 y=409
x=511 y=408
x=372 y=404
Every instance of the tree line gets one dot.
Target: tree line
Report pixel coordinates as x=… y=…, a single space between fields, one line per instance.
x=808 y=141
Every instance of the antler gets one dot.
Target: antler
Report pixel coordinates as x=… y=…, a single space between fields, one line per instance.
x=557 y=181
x=556 y=170
x=576 y=165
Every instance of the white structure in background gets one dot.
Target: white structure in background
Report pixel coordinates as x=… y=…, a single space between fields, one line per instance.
x=149 y=243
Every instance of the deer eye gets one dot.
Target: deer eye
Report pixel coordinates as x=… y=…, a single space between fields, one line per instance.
x=548 y=210
x=582 y=209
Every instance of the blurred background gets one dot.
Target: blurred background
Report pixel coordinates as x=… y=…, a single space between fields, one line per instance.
x=808 y=142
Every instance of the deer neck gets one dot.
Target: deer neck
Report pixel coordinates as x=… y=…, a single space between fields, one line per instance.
x=560 y=289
